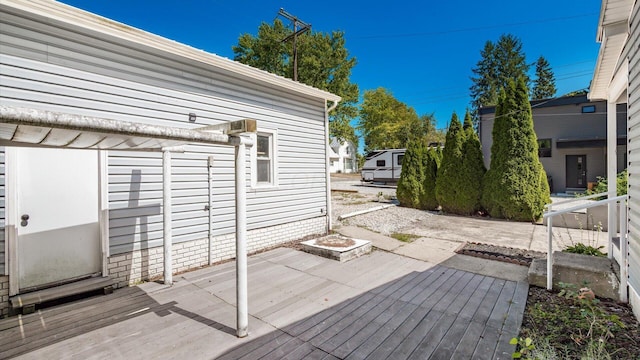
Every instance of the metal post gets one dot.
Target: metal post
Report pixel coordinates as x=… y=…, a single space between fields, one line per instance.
x=210 y=208
x=612 y=164
x=624 y=252
x=550 y=253
x=241 y=242
x=166 y=211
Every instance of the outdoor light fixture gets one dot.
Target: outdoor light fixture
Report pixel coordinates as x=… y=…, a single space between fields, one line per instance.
x=192 y=117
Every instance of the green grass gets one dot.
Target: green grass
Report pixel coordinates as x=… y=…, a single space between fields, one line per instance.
x=404 y=237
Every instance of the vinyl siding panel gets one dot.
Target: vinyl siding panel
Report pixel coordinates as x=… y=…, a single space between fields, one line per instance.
x=633 y=147
x=3 y=244
x=68 y=70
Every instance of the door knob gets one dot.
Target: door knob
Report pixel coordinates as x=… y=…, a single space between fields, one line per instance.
x=25 y=220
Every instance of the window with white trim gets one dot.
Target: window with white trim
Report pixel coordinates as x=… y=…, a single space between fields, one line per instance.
x=263 y=159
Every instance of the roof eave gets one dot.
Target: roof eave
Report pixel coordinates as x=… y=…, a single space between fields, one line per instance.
x=110 y=28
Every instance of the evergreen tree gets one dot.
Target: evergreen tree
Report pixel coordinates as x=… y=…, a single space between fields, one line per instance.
x=448 y=180
x=498 y=63
x=471 y=172
x=515 y=186
x=431 y=162
x=544 y=86
x=412 y=175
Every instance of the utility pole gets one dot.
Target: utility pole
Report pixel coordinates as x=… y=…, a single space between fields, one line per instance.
x=304 y=28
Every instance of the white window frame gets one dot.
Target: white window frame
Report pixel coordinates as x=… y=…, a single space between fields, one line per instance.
x=273 y=135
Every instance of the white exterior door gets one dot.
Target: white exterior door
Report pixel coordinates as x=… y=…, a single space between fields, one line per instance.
x=58 y=231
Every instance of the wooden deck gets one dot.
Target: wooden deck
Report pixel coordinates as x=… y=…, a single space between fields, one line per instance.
x=302 y=306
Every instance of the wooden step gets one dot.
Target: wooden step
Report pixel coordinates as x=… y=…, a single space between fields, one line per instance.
x=27 y=301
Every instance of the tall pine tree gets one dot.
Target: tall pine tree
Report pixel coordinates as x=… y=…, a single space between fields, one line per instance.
x=448 y=181
x=498 y=63
x=544 y=86
x=471 y=172
x=515 y=185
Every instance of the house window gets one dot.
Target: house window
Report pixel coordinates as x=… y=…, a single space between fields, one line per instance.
x=263 y=160
x=544 y=147
x=587 y=109
x=381 y=163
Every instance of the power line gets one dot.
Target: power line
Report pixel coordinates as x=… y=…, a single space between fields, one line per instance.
x=495 y=26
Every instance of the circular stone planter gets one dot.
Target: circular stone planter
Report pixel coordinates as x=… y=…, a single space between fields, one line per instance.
x=337 y=247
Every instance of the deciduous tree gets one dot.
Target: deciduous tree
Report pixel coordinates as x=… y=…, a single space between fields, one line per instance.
x=323 y=62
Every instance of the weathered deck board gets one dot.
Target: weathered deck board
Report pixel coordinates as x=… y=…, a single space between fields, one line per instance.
x=301 y=306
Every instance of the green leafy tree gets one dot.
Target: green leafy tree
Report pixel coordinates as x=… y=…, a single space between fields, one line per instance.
x=448 y=180
x=431 y=162
x=544 y=86
x=471 y=172
x=323 y=62
x=498 y=63
x=515 y=186
x=412 y=175
x=386 y=122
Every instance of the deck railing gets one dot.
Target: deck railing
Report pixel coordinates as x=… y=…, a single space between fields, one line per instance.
x=550 y=214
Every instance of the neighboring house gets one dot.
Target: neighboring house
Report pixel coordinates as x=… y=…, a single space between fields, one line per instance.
x=616 y=80
x=345 y=159
x=129 y=208
x=572 y=139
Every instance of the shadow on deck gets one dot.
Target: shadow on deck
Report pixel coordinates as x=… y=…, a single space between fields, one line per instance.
x=301 y=306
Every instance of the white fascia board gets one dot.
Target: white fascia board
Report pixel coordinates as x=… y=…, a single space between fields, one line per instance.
x=110 y=28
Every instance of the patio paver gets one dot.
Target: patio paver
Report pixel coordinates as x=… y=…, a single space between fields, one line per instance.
x=301 y=306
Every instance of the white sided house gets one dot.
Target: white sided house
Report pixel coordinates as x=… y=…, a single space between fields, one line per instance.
x=126 y=156
x=344 y=158
x=617 y=80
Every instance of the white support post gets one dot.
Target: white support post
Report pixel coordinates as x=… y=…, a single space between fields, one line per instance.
x=624 y=253
x=210 y=209
x=612 y=163
x=550 y=253
x=166 y=211
x=241 y=243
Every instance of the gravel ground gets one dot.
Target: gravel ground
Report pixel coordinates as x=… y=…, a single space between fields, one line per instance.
x=386 y=221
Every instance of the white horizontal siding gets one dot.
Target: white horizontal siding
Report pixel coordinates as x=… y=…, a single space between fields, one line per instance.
x=3 y=245
x=43 y=66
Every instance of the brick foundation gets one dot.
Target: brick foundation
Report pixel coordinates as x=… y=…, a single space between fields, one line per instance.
x=133 y=267
x=4 y=296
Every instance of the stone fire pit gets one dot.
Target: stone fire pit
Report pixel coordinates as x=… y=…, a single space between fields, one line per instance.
x=337 y=247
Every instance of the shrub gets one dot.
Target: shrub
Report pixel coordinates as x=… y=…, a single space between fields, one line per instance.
x=471 y=171
x=602 y=185
x=411 y=179
x=515 y=186
x=448 y=179
x=431 y=162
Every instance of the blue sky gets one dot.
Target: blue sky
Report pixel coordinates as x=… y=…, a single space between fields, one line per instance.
x=422 y=51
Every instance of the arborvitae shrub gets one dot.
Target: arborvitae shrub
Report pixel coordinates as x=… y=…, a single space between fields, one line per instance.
x=448 y=174
x=471 y=172
x=515 y=186
x=431 y=162
x=410 y=183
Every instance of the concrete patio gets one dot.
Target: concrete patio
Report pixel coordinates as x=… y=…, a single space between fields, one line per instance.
x=381 y=305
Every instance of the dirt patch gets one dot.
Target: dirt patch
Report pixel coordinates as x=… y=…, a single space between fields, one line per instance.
x=335 y=241
x=568 y=325
x=501 y=253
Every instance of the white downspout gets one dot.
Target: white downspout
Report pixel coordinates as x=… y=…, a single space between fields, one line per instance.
x=166 y=211
x=327 y=159
x=612 y=162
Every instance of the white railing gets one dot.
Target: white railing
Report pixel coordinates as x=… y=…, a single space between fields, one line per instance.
x=550 y=214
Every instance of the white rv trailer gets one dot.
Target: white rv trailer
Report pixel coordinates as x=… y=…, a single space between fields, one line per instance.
x=383 y=165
